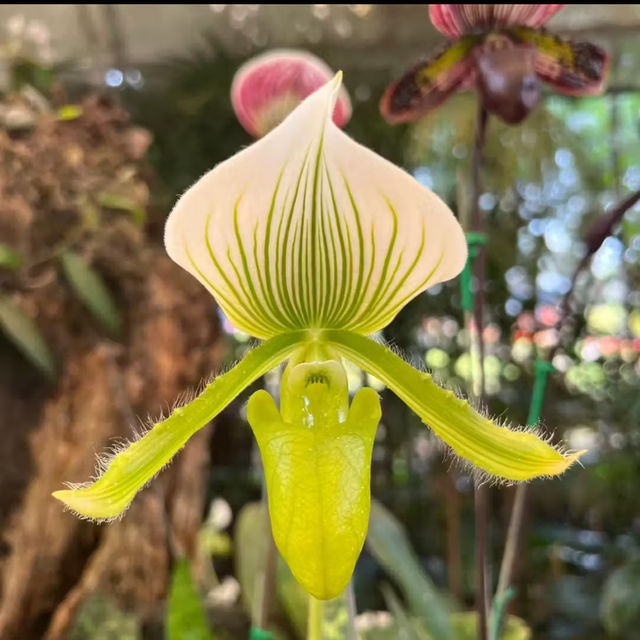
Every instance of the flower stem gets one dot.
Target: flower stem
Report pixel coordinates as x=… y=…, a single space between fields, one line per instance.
x=481 y=493
x=314 y=626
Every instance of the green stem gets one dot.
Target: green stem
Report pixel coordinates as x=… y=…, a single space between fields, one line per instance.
x=481 y=492
x=314 y=628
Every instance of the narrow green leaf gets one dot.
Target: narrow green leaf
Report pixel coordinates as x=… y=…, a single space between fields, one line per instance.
x=9 y=257
x=252 y=539
x=123 y=203
x=499 y=451
x=134 y=466
x=26 y=336
x=186 y=618
x=388 y=543
x=89 y=286
x=90 y=213
x=407 y=628
x=251 y=544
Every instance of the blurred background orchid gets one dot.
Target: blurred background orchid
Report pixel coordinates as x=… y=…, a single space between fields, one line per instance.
x=503 y=52
x=269 y=87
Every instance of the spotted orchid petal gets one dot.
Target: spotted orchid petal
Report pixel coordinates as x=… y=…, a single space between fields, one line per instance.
x=430 y=83
x=269 y=87
x=307 y=229
x=455 y=20
x=572 y=68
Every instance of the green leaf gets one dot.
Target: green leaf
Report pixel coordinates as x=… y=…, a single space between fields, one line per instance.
x=251 y=542
x=499 y=451
x=89 y=286
x=123 y=203
x=388 y=543
x=130 y=469
x=407 y=628
x=26 y=336
x=186 y=619
x=69 y=112
x=9 y=258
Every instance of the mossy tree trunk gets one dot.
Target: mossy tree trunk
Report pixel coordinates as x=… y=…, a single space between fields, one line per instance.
x=51 y=179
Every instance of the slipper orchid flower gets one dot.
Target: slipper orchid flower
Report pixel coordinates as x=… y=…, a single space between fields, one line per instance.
x=267 y=88
x=502 y=51
x=310 y=242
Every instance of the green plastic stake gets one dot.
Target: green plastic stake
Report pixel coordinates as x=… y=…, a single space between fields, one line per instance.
x=499 y=610
x=475 y=241
x=542 y=369
x=260 y=634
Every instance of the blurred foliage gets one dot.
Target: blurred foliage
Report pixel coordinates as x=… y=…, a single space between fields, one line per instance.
x=621 y=602
x=290 y=609
x=197 y=119
x=25 y=335
x=90 y=288
x=99 y=618
x=69 y=188
x=429 y=614
x=464 y=626
x=388 y=543
x=186 y=619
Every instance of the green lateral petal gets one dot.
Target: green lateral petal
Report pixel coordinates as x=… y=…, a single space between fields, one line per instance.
x=499 y=451
x=308 y=229
x=136 y=465
x=317 y=467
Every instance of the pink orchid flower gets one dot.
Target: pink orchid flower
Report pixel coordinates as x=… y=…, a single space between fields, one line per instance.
x=502 y=51
x=267 y=88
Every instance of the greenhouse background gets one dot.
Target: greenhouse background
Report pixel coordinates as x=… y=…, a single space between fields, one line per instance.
x=108 y=114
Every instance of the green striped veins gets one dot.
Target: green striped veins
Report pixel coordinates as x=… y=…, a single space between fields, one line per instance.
x=310 y=241
x=308 y=229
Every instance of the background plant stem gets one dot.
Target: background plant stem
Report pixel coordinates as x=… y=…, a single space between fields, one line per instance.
x=350 y=596
x=481 y=493
x=268 y=587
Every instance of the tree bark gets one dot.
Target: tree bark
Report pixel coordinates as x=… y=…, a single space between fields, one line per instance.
x=50 y=560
